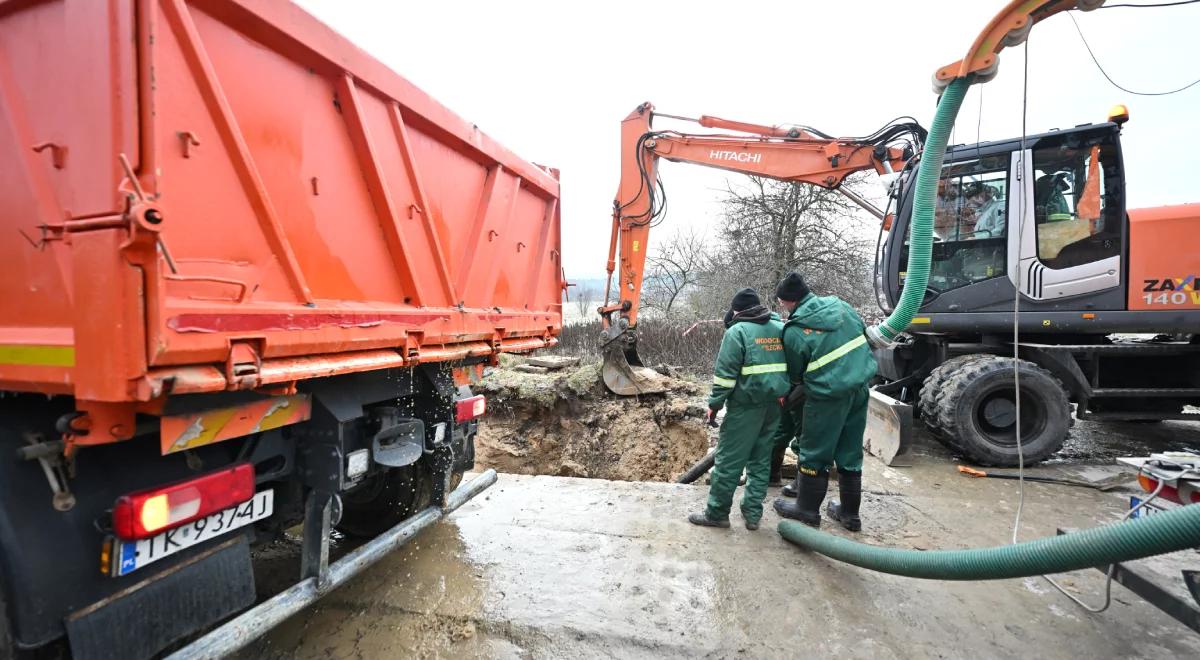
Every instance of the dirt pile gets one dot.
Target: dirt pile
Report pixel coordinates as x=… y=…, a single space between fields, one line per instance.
x=566 y=423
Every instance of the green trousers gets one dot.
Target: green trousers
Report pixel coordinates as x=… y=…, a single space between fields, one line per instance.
x=787 y=434
x=833 y=433
x=745 y=443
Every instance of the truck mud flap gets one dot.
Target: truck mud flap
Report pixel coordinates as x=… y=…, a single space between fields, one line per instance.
x=253 y=623
x=889 y=427
x=165 y=607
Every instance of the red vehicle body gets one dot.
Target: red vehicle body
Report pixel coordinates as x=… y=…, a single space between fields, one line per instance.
x=219 y=216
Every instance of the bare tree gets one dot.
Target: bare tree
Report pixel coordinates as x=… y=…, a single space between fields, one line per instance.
x=675 y=267
x=585 y=301
x=770 y=228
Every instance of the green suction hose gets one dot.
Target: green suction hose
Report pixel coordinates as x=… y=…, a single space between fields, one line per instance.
x=924 y=203
x=1170 y=531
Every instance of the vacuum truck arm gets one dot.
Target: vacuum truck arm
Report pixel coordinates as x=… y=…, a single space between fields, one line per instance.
x=795 y=154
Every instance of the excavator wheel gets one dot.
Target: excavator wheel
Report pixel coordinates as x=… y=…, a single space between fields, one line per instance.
x=927 y=402
x=975 y=411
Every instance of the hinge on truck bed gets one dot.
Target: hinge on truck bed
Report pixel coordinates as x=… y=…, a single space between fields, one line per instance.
x=242 y=366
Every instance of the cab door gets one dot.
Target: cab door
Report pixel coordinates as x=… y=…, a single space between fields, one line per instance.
x=1071 y=213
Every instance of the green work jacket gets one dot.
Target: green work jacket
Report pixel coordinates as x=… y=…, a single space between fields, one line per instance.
x=826 y=348
x=751 y=369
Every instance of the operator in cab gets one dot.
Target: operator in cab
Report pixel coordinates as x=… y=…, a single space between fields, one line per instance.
x=749 y=377
x=826 y=351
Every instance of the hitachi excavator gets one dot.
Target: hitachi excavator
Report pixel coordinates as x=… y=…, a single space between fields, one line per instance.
x=1030 y=239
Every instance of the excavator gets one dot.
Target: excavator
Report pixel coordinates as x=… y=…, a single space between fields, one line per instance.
x=798 y=154
x=1032 y=250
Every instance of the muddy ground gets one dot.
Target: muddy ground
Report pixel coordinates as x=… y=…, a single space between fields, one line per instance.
x=564 y=423
x=548 y=567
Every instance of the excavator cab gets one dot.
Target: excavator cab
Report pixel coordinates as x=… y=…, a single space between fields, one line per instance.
x=1058 y=232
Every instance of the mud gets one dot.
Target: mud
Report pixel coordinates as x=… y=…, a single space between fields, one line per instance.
x=548 y=567
x=565 y=423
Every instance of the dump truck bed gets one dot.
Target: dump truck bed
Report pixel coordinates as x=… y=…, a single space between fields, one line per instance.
x=295 y=210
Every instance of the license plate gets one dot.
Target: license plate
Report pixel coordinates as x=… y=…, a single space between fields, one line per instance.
x=132 y=555
x=1148 y=510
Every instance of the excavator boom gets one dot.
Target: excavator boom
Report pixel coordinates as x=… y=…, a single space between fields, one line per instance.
x=786 y=153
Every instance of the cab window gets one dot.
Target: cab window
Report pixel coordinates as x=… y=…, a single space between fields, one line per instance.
x=1074 y=214
x=970 y=223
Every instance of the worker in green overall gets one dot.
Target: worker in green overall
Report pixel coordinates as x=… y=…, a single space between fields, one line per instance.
x=749 y=377
x=827 y=351
x=787 y=434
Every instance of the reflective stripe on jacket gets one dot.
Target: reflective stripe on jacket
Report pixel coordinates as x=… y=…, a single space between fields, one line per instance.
x=826 y=348
x=751 y=368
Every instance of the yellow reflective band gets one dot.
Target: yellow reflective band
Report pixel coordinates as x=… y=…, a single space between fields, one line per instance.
x=37 y=356
x=836 y=353
x=724 y=382
x=764 y=369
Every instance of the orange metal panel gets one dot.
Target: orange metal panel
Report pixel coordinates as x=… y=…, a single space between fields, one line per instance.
x=1164 y=264
x=314 y=205
x=180 y=432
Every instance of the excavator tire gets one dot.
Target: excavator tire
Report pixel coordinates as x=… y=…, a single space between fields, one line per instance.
x=927 y=402
x=975 y=411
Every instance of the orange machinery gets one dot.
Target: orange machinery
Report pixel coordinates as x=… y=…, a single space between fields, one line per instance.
x=797 y=154
x=225 y=224
x=1085 y=271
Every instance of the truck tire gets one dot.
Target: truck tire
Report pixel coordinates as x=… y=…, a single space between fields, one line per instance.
x=385 y=501
x=927 y=402
x=975 y=411
x=7 y=650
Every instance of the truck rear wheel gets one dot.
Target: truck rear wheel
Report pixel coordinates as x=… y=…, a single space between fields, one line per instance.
x=385 y=500
x=7 y=650
x=975 y=411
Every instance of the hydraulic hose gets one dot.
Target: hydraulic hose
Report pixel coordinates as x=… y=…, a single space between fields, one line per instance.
x=1169 y=531
x=921 y=228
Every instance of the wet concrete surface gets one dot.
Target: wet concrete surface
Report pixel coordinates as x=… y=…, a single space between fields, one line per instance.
x=541 y=567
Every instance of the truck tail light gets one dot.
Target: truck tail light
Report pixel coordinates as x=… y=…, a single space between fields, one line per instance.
x=144 y=514
x=470 y=408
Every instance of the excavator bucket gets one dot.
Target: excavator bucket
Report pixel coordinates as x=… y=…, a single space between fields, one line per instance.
x=623 y=371
x=889 y=427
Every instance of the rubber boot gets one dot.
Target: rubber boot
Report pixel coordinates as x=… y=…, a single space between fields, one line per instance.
x=776 y=478
x=846 y=511
x=807 y=506
x=791 y=488
x=703 y=520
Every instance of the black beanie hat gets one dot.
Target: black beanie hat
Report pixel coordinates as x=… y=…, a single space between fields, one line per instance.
x=745 y=299
x=792 y=288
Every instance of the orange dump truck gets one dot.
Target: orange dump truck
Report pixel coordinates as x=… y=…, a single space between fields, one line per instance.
x=250 y=275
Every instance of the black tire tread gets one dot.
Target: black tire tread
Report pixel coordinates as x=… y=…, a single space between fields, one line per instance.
x=927 y=402
x=7 y=649
x=953 y=388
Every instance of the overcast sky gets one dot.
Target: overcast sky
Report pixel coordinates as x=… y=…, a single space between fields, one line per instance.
x=551 y=80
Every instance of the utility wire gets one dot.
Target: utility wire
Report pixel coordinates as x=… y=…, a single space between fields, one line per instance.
x=1115 y=83
x=1022 y=174
x=1151 y=6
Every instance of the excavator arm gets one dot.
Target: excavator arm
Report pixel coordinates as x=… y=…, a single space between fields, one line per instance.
x=795 y=154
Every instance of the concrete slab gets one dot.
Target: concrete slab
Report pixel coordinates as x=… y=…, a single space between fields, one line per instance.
x=542 y=567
